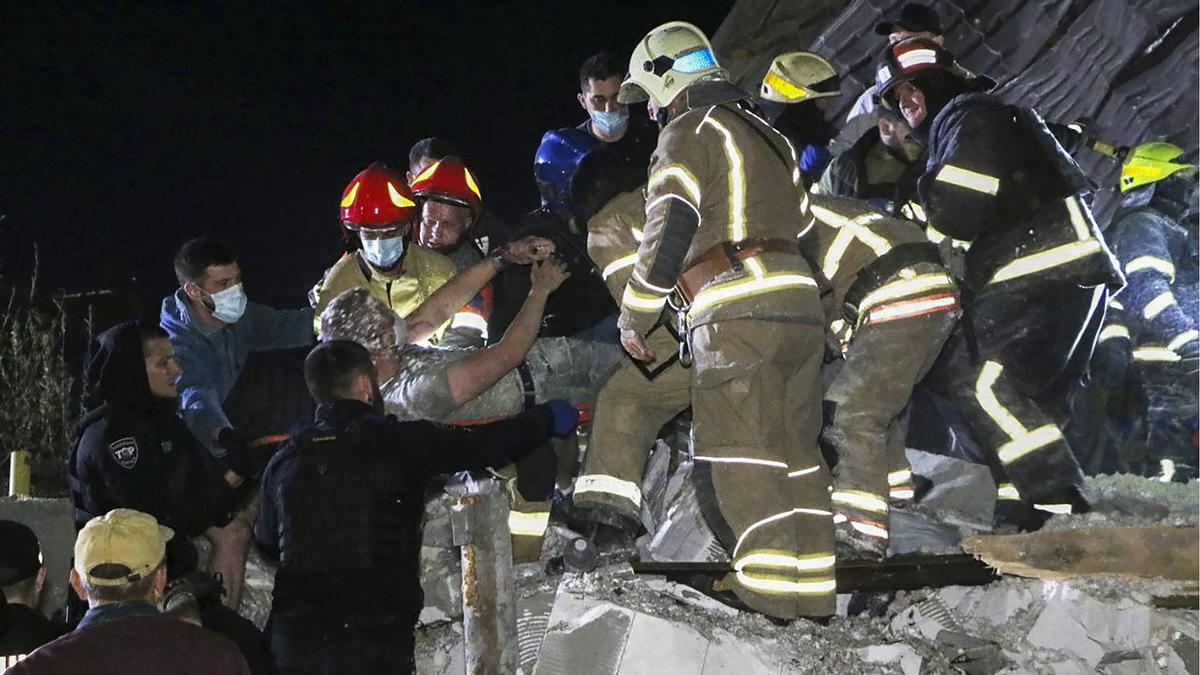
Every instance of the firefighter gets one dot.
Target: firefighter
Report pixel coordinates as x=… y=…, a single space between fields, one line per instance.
x=380 y=209
x=1155 y=327
x=638 y=399
x=725 y=204
x=794 y=95
x=892 y=306
x=1036 y=274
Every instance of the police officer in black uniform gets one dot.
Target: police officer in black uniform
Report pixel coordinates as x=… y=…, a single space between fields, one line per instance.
x=133 y=451
x=341 y=511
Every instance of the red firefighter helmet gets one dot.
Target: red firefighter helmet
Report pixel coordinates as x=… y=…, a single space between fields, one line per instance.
x=378 y=199
x=448 y=180
x=907 y=59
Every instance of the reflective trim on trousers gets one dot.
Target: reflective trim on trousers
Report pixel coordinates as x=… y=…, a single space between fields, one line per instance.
x=1007 y=491
x=820 y=513
x=1022 y=440
x=1047 y=259
x=1113 y=331
x=1149 y=262
x=1158 y=305
x=610 y=485
x=1156 y=354
x=907 y=309
x=860 y=499
x=525 y=524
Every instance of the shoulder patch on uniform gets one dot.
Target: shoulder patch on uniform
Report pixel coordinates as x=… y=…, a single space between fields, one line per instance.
x=124 y=452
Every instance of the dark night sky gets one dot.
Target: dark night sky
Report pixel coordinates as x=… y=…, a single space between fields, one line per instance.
x=130 y=127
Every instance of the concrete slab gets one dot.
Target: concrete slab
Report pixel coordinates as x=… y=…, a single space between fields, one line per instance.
x=682 y=535
x=959 y=489
x=1059 y=628
x=898 y=655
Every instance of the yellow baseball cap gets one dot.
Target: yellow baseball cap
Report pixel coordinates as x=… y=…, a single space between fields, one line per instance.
x=120 y=547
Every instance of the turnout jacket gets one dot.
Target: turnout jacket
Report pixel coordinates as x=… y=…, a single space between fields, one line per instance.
x=135 y=452
x=1157 y=249
x=720 y=174
x=343 y=501
x=996 y=177
x=877 y=268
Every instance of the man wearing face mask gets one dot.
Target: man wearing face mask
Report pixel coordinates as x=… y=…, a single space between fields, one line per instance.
x=214 y=327
x=380 y=209
x=630 y=139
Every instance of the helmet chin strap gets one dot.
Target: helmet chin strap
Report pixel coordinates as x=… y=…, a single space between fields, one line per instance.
x=662 y=117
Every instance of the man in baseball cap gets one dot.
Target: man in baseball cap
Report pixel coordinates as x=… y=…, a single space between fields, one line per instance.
x=120 y=570
x=22 y=576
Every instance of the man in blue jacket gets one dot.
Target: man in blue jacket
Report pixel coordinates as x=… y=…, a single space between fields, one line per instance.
x=213 y=328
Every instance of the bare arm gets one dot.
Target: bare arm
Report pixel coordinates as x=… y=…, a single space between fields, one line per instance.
x=473 y=375
x=457 y=292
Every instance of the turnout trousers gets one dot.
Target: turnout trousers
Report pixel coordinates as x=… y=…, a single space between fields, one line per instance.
x=756 y=409
x=1012 y=352
x=868 y=397
x=628 y=414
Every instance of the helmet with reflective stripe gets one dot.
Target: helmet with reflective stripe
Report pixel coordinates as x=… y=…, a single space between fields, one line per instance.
x=448 y=180
x=377 y=199
x=666 y=61
x=1150 y=163
x=908 y=59
x=799 y=76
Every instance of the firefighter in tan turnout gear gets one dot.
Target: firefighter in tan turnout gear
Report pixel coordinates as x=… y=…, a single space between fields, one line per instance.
x=724 y=207
x=892 y=306
x=639 y=398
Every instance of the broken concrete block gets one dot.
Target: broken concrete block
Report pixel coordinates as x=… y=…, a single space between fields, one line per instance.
x=689 y=596
x=1058 y=627
x=533 y=618
x=971 y=655
x=1072 y=667
x=727 y=655
x=914 y=532
x=962 y=492
x=899 y=655
x=995 y=604
x=655 y=484
x=436 y=530
x=441 y=581
x=682 y=535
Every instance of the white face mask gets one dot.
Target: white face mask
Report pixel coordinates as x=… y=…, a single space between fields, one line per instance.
x=229 y=304
x=383 y=253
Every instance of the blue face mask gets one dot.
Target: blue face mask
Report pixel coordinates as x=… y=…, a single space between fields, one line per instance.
x=609 y=123
x=229 y=304
x=383 y=253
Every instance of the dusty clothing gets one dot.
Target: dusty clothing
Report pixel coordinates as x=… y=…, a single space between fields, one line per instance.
x=721 y=176
x=756 y=410
x=1036 y=273
x=557 y=368
x=424 y=272
x=896 y=306
x=632 y=407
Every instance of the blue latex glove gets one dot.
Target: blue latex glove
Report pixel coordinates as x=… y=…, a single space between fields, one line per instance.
x=566 y=417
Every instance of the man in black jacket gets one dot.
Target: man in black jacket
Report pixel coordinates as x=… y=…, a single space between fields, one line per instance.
x=341 y=511
x=22 y=577
x=134 y=451
x=1036 y=274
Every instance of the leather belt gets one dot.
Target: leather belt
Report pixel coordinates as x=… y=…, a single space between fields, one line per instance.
x=888 y=265
x=724 y=257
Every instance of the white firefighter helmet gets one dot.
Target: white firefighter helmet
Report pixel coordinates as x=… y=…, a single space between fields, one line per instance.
x=666 y=61
x=799 y=76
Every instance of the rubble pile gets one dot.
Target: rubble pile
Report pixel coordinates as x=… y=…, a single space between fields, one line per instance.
x=612 y=621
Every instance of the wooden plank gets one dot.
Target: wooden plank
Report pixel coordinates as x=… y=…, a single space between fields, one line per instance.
x=901 y=573
x=1145 y=552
